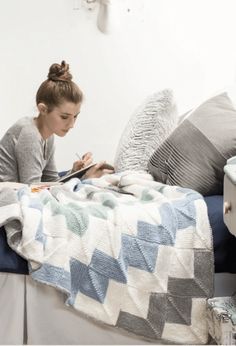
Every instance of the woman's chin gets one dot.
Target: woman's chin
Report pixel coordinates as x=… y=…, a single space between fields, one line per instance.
x=61 y=133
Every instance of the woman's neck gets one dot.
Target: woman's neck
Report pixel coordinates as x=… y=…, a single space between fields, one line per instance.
x=40 y=124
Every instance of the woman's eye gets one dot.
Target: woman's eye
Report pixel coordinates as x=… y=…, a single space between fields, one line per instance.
x=64 y=117
x=76 y=116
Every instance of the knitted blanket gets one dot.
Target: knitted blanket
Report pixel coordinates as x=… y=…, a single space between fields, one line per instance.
x=126 y=250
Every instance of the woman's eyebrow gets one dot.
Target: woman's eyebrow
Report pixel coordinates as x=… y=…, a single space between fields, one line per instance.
x=65 y=113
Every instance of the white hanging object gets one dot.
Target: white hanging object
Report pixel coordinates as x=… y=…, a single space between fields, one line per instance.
x=90 y=4
x=107 y=20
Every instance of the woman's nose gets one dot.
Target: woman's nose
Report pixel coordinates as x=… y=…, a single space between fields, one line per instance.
x=71 y=123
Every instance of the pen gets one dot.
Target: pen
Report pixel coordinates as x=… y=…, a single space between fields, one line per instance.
x=79 y=157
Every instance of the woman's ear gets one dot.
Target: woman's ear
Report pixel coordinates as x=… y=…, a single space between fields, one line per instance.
x=43 y=109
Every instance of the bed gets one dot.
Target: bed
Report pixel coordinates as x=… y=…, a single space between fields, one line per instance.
x=36 y=313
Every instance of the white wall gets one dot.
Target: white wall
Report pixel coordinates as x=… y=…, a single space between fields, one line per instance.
x=186 y=45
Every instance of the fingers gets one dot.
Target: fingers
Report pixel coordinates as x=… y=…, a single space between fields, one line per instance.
x=99 y=165
x=87 y=156
x=87 y=162
x=107 y=166
x=99 y=170
x=107 y=171
x=87 y=159
x=77 y=165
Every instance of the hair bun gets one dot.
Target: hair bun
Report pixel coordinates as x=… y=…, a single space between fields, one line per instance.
x=60 y=72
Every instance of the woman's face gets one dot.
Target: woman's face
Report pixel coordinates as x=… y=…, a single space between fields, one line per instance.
x=62 y=118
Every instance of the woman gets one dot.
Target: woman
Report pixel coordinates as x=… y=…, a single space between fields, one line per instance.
x=27 y=148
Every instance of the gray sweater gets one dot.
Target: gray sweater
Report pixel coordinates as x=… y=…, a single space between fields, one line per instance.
x=25 y=157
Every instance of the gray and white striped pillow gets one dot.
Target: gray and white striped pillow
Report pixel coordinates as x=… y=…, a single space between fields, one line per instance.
x=195 y=153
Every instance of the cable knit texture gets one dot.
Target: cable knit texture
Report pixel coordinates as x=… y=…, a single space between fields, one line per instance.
x=147 y=128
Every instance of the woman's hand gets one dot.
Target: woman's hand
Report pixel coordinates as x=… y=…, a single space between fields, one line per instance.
x=87 y=159
x=98 y=170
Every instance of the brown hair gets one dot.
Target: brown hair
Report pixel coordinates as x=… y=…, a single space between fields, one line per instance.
x=58 y=87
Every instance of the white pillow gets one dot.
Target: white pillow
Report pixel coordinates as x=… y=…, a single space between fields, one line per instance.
x=147 y=128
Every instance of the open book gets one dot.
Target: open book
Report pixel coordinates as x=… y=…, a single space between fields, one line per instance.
x=76 y=174
x=82 y=171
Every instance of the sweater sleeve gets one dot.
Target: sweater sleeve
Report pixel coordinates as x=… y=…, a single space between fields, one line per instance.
x=29 y=152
